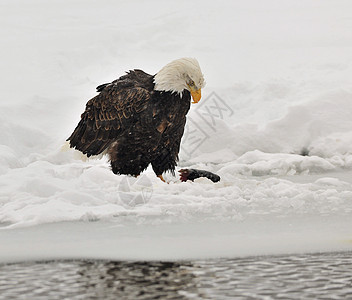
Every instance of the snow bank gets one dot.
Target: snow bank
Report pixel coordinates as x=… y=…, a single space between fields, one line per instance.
x=300 y=130
x=274 y=122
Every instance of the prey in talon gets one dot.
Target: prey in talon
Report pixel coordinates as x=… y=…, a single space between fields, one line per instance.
x=191 y=174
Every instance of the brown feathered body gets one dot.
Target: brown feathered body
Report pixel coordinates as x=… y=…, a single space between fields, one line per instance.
x=134 y=124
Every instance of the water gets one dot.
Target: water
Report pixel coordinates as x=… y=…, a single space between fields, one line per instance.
x=309 y=276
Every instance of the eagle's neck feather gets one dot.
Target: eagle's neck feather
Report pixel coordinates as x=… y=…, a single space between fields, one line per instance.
x=169 y=80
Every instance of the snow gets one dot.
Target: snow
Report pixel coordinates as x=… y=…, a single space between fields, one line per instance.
x=274 y=122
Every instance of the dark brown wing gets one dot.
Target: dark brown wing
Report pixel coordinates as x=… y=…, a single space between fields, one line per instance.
x=106 y=116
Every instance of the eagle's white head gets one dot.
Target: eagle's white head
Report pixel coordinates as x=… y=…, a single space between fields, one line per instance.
x=179 y=75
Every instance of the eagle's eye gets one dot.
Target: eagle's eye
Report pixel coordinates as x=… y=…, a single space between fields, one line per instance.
x=191 y=82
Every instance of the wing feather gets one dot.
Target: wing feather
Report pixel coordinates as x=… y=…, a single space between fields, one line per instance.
x=106 y=116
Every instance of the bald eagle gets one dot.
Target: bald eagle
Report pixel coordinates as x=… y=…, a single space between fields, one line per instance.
x=139 y=119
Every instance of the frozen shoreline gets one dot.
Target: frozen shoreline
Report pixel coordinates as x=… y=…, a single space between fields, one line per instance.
x=110 y=241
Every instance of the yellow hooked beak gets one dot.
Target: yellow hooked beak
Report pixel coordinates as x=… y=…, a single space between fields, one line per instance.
x=196 y=94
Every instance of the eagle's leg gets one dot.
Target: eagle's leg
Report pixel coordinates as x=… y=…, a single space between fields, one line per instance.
x=165 y=161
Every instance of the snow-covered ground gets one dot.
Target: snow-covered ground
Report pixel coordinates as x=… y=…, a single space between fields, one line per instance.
x=275 y=122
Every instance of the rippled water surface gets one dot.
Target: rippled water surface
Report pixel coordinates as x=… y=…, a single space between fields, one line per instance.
x=313 y=276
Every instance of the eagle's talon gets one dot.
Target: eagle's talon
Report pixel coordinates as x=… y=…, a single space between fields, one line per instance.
x=161 y=178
